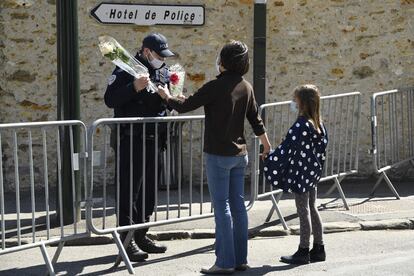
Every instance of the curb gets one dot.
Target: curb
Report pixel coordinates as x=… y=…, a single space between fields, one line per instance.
x=273 y=231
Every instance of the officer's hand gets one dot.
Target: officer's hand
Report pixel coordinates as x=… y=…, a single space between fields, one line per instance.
x=164 y=92
x=181 y=97
x=141 y=83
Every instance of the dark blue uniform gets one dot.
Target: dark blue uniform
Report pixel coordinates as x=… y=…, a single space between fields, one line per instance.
x=126 y=102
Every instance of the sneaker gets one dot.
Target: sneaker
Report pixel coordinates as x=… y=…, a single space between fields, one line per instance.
x=317 y=254
x=149 y=246
x=300 y=257
x=217 y=270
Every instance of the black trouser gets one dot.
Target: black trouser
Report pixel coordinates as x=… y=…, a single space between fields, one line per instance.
x=142 y=207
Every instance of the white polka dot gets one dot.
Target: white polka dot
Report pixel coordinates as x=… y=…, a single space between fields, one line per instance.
x=314 y=136
x=290 y=190
x=297 y=172
x=305 y=168
x=290 y=130
x=307 y=181
x=297 y=125
x=303 y=142
x=279 y=147
x=282 y=152
x=292 y=162
x=275 y=158
x=307 y=124
x=309 y=159
x=265 y=169
x=307 y=147
x=289 y=180
x=302 y=177
x=269 y=177
x=315 y=164
x=290 y=151
x=304 y=133
x=304 y=190
x=293 y=138
x=303 y=155
x=323 y=158
x=274 y=172
x=299 y=185
x=325 y=141
x=312 y=172
x=290 y=171
x=300 y=163
x=318 y=154
x=275 y=182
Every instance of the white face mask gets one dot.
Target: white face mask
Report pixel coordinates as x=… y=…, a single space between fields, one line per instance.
x=155 y=63
x=218 y=64
x=294 y=107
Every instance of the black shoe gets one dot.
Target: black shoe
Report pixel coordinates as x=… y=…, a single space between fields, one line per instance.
x=300 y=257
x=317 y=254
x=149 y=246
x=133 y=251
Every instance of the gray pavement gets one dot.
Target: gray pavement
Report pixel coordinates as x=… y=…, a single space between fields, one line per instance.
x=349 y=253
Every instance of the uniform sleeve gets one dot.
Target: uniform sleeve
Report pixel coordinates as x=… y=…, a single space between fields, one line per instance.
x=277 y=163
x=203 y=96
x=254 y=118
x=120 y=89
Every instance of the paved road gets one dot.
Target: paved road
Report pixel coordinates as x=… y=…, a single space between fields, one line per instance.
x=349 y=253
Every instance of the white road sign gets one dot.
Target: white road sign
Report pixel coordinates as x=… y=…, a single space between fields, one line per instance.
x=146 y=14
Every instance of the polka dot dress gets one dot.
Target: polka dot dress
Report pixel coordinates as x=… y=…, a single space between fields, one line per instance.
x=296 y=164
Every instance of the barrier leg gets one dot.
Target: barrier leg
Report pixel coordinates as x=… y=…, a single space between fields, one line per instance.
x=269 y=216
x=333 y=187
x=275 y=207
x=122 y=253
x=389 y=183
x=341 y=192
x=376 y=185
x=394 y=191
x=57 y=254
x=47 y=260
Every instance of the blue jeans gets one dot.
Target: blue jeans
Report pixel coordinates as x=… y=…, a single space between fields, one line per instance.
x=225 y=177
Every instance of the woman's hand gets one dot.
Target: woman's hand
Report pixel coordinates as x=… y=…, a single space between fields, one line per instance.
x=164 y=92
x=266 y=145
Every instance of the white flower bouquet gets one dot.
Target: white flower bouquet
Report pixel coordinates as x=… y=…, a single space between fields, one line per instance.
x=111 y=49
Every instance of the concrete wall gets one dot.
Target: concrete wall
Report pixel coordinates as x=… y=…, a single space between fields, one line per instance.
x=340 y=45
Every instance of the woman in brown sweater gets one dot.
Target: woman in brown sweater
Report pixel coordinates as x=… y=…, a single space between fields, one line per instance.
x=227 y=101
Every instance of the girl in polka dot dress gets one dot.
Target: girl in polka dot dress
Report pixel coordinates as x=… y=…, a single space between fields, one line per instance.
x=296 y=166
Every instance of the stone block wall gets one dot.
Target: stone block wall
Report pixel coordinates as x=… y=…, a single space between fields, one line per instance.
x=340 y=45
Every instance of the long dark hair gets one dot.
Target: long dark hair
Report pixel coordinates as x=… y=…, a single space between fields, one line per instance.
x=234 y=57
x=309 y=96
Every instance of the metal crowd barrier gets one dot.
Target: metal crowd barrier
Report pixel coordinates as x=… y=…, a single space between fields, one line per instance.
x=341 y=116
x=392 y=126
x=186 y=201
x=30 y=220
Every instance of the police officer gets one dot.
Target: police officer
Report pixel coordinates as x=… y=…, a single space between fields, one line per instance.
x=130 y=97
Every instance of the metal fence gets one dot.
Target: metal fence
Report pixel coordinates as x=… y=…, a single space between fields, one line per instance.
x=341 y=116
x=28 y=219
x=181 y=193
x=392 y=126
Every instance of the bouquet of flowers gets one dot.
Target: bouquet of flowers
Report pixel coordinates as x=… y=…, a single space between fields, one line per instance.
x=177 y=77
x=111 y=49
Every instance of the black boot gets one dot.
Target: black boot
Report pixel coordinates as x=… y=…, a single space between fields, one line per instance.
x=150 y=246
x=300 y=257
x=132 y=250
x=317 y=254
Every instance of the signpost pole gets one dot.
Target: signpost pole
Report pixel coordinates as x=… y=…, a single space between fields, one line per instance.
x=68 y=101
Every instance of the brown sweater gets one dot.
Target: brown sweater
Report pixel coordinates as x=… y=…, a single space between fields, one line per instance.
x=227 y=101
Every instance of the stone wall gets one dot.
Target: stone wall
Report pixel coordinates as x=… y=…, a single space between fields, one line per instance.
x=340 y=45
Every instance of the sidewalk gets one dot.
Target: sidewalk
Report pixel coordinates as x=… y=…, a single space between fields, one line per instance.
x=380 y=212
